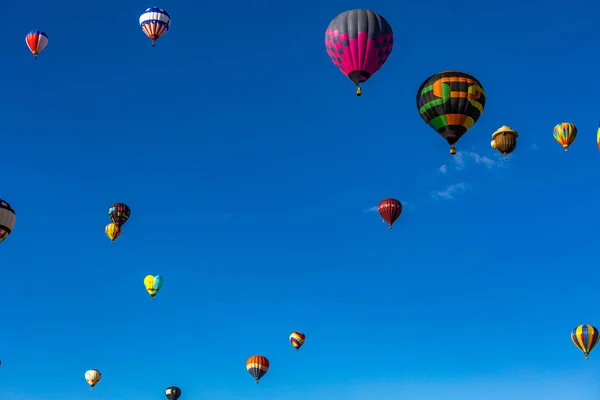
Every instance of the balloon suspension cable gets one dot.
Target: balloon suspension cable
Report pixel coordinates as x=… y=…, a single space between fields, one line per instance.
x=358 y=90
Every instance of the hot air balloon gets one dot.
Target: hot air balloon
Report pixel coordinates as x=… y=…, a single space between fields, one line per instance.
x=390 y=209
x=153 y=284
x=155 y=22
x=173 y=393
x=505 y=140
x=92 y=377
x=257 y=366
x=598 y=137
x=119 y=214
x=565 y=134
x=451 y=102
x=112 y=231
x=36 y=41
x=297 y=339
x=7 y=219
x=359 y=42
x=585 y=338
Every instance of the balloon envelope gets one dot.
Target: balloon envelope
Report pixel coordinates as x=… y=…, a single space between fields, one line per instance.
x=7 y=219
x=585 y=337
x=257 y=366
x=92 y=377
x=450 y=102
x=37 y=41
x=119 y=214
x=153 y=284
x=297 y=339
x=173 y=393
x=155 y=22
x=390 y=210
x=359 y=42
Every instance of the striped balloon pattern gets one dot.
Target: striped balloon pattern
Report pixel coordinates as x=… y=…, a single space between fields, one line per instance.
x=36 y=41
x=585 y=337
x=565 y=134
x=257 y=366
x=7 y=219
x=155 y=22
x=297 y=339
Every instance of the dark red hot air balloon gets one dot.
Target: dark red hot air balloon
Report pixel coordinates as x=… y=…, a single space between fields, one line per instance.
x=390 y=209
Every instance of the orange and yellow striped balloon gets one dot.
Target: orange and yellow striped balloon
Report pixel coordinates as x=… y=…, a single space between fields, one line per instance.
x=257 y=366
x=585 y=338
x=565 y=134
x=297 y=339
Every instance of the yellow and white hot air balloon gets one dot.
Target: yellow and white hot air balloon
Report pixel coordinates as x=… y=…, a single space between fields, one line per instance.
x=92 y=377
x=112 y=231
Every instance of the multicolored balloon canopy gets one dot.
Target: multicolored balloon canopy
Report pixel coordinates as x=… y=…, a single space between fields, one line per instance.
x=451 y=102
x=7 y=220
x=359 y=42
x=565 y=134
x=37 y=41
x=257 y=366
x=297 y=339
x=585 y=337
x=155 y=22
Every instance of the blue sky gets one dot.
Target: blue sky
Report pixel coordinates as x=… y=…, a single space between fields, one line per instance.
x=251 y=168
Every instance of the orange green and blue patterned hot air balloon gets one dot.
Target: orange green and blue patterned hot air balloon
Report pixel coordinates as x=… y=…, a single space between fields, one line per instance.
x=451 y=102
x=585 y=338
x=565 y=134
x=257 y=366
x=297 y=339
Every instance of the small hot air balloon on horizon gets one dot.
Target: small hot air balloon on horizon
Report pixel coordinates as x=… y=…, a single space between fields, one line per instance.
x=173 y=393
x=8 y=218
x=505 y=140
x=598 y=137
x=585 y=337
x=297 y=339
x=92 y=377
x=153 y=284
x=155 y=22
x=451 y=102
x=359 y=42
x=257 y=366
x=565 y=134
x=119 y=213
x=37 y=41
x=112 y=231
x=390 y=210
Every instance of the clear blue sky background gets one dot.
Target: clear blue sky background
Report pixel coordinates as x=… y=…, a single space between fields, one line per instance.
x=251 y=167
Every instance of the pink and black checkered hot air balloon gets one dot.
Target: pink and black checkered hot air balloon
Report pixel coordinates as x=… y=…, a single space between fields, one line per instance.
x=36 y=41
x=359 y=42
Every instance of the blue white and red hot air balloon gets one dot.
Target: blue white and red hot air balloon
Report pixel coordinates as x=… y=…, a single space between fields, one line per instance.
x=36 y=41
x=155 y=22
